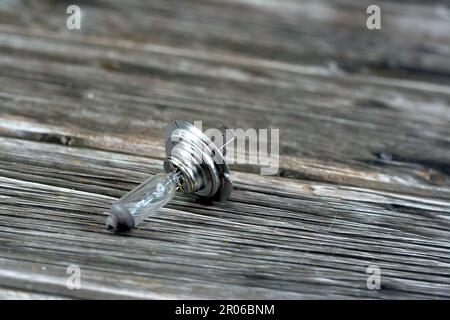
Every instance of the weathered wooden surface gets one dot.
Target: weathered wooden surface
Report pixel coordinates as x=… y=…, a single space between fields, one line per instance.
x=365 y=147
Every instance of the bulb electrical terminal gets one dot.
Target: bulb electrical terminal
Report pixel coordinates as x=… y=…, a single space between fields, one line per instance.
x=194 y=164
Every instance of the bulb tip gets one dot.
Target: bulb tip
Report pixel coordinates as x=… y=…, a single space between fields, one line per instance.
x=111 y=223
x=119 y=220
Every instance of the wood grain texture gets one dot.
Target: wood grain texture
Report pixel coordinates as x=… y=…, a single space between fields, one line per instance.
x=364 y=119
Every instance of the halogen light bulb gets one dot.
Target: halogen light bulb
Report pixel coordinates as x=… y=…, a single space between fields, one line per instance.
x=185 y=145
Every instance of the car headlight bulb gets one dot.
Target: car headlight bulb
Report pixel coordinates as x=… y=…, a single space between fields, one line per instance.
x=194 y=164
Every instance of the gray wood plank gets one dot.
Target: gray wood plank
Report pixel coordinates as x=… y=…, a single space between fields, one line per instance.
x=364 y=151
